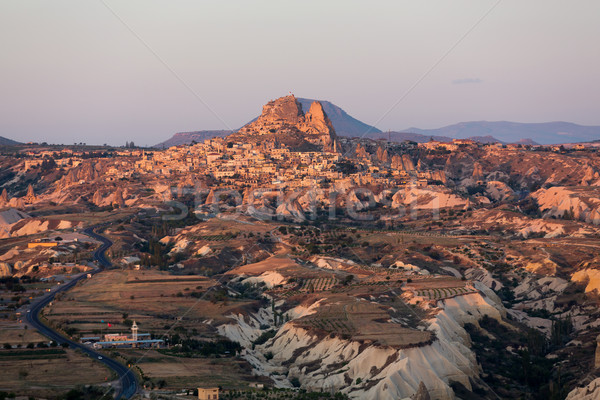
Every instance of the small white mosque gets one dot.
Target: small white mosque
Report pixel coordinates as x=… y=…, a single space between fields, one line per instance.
x=142 y=340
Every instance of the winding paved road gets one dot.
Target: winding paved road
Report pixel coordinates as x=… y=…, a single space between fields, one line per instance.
x=128 y=384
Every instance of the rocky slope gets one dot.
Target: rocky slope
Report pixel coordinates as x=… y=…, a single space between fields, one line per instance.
x=589 y=392
x=14 y=223
x=7 y=142
x=363 y=369
x=426 y=198
x=8 y=219
x=512 y=222
x=570 y=203
x=284 y=120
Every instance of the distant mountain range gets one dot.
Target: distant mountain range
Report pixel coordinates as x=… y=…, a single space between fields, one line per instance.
x=394 y=136
x=515 y=132
x=7 y=142
x=480 y=131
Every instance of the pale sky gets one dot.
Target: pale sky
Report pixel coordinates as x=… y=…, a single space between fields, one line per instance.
x=71 y=71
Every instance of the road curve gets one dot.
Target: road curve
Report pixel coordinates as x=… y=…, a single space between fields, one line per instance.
x=128 y=384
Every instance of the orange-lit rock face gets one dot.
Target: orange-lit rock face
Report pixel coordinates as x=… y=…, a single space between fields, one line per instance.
x=316 y=121
x=285 y=116
x=285 y=109
x=285 y=112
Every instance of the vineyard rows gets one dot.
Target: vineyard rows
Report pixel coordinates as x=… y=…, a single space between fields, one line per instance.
x=318 y=284
x=216 y=238
x=338 y=325
x=442 y=293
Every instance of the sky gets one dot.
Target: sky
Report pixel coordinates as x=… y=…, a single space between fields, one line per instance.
x=106 y=71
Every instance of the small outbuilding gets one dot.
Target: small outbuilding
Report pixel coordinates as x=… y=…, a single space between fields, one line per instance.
x=208 y=393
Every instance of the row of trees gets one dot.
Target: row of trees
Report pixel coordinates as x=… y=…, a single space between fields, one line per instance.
x=190 y=347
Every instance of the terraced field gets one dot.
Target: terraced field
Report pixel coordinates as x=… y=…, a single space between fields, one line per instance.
x=217 y=238
x=444 y=293
x=318 y=284
x=364 y=321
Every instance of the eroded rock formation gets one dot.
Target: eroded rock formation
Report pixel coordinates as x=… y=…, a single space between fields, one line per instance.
x=285 y=116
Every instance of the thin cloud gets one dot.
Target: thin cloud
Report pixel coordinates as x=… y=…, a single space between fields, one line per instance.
x=466 y=81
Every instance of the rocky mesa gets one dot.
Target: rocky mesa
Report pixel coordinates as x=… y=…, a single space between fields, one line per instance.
x=284 y=120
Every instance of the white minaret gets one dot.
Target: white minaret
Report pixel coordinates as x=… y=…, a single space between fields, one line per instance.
x=134 y=331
